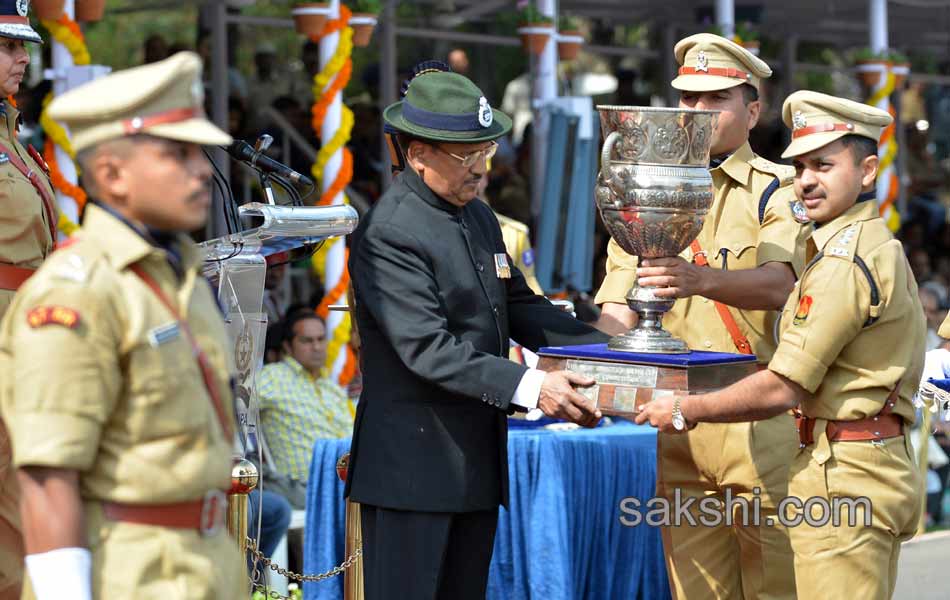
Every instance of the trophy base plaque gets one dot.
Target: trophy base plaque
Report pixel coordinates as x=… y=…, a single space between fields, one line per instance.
x=626 y=380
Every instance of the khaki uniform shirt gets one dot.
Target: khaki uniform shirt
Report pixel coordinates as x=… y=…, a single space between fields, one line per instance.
x=732 y=238
x=518 y=245
x=825 y=346
x=116 y=393
x=25 y=238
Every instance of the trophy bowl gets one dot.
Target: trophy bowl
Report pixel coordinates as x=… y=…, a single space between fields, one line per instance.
x=653 y=192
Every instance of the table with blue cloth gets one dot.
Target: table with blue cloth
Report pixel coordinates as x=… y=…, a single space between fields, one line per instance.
x=562 y=538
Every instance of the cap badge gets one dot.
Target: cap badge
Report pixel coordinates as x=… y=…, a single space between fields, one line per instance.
x=798 y=120
x=702 y=62
x=485 y=115
x=23 y=7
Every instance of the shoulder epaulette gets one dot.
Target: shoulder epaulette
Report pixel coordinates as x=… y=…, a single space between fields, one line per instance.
x=843 y=245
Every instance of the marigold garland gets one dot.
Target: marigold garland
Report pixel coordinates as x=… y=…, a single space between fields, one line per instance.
x=343 y=178
x=66 y=225
x=338 y=291
x=340 y=69
x=59 y=180
x=887 y=148
x=66 y=31
x=338 y=141
x=327 y=84
x=54 y=130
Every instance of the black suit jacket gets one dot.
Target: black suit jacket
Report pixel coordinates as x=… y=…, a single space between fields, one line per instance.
x=434 y=321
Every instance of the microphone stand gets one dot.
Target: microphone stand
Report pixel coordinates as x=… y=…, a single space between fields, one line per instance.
x=267 y=179
x=268 y=188
x=263 y=143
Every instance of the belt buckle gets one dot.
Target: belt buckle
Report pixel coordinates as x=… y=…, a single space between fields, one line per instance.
x=212 y=512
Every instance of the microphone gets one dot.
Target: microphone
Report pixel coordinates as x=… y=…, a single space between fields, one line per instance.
x=244 y=152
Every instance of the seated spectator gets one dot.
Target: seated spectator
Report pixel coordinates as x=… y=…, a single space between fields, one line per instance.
x=300 y=404
x=920 y=264
x=931 y=305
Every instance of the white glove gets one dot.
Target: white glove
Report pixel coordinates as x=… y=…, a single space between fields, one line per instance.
x=61 y=574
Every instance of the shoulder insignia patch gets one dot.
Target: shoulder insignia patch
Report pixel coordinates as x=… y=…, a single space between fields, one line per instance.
x=844 y=243
x=785 y=173
x=52 y=315
x=804 y=307
x=527 y=257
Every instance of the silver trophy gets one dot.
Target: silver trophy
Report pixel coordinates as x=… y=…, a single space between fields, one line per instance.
x=653 y=192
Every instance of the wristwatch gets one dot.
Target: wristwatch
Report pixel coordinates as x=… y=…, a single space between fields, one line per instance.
x=679 y=421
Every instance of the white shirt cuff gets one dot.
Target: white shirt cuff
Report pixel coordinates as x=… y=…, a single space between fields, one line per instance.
x=60 y=574
x=529 y=390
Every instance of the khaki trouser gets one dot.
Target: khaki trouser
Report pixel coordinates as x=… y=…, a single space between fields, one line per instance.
x=854 y=562
x=742 y=560
x=157 y=563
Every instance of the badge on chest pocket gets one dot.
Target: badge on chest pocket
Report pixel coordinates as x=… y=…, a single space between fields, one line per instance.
x=502 y=270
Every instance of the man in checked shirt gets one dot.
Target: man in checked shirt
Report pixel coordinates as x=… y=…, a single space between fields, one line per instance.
x=300 y=404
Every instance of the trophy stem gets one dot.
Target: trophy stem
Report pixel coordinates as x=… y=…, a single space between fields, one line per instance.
x=648 y=335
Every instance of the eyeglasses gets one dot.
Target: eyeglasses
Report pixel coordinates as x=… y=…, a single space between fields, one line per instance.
x=469 y=160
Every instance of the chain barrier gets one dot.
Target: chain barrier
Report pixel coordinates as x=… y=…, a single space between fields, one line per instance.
x=290 y=575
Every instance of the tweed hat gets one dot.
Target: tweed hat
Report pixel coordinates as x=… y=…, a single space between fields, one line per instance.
x=446 y=107
x=710 y=62
x=15 y=21
x=163 y=99
x=819 y=119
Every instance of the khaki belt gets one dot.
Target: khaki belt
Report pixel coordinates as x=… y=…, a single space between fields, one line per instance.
x=206 y=515
x=11 y=278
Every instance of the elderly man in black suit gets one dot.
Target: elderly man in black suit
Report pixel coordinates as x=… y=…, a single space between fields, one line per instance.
x=437 y=299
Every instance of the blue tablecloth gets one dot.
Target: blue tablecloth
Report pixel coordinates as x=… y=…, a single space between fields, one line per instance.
x=562 y=538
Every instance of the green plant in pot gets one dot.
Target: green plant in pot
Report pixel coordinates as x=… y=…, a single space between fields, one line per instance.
x=535 y=30
x=570 y=38
x=363 y=21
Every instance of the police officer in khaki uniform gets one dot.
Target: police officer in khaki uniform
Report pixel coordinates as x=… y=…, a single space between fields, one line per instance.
x=752 y=245
x=518 y=244
x=116 y=369
x=849 y=357
x=27 y=233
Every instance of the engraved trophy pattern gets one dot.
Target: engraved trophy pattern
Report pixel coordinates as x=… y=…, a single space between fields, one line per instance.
x=653 y=192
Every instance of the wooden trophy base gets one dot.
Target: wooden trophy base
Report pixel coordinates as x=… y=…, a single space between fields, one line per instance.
x=626 y=380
